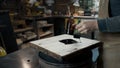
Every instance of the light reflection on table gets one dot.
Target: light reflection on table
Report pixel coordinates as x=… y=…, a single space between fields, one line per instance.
x=25 y=58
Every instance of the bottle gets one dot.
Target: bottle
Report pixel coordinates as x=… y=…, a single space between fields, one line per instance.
x=70 y=22
x=76 y=32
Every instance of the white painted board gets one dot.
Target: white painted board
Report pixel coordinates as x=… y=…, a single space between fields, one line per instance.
x=54 y=48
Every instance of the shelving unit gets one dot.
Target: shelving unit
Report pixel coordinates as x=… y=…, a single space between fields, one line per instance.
x=24 y=33
x=33 y=30
x=46 y=30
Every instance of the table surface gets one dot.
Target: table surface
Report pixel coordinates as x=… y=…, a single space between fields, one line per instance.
x=25 y=58
x=56 y=49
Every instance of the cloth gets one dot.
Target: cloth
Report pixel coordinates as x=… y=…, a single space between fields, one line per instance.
x=106 y=23
x=108 y=26
x=114 y=8
x=109 y=19
x=103 y=9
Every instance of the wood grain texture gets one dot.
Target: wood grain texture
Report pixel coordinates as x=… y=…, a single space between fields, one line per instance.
x=58 y=50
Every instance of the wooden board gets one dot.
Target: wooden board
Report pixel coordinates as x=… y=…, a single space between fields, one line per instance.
x=51 y=46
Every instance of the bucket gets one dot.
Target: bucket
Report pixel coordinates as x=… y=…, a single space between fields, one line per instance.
x=80 y=61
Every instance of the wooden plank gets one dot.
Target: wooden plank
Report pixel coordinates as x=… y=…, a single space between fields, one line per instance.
x=46 y=34
x=23 y=29
x=58 y=50
x=46 y=25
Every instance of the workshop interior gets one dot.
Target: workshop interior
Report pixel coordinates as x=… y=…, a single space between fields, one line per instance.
x=42 y=34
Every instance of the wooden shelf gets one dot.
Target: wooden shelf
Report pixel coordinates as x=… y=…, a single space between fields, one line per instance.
x=46 y=25
x=46 y=30
x=31 y=37
x=21 y=41
x=23 y=29
x=39 y=30
x=45 y=34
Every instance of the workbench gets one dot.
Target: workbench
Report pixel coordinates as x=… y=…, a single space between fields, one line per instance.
x=78 y=52
x=24 y=58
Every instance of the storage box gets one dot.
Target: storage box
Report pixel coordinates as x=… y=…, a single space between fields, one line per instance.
x=54 y=48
